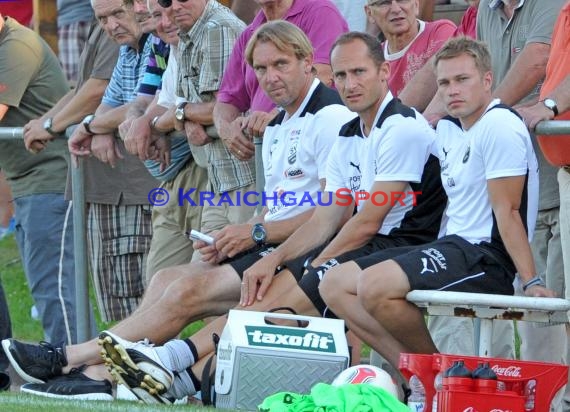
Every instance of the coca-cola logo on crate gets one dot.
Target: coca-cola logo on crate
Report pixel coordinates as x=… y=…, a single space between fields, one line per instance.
x=508 y=371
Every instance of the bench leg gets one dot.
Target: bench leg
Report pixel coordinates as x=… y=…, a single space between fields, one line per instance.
x=485 y=337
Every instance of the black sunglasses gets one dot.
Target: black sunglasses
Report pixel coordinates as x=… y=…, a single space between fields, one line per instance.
x=167 y=3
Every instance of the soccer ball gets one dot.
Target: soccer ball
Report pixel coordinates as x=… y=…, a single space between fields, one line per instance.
x=367 y=374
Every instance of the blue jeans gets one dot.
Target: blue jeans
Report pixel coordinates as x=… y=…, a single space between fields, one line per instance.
x=44 y=232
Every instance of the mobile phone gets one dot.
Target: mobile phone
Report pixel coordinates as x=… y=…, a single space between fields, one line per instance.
x=195 y=235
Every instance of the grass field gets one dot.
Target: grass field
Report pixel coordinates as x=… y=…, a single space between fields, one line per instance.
x=13 y=402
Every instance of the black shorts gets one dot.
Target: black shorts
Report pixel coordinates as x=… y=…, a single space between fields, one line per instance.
x=450 y=263
x=245 y=260
x=309 y=283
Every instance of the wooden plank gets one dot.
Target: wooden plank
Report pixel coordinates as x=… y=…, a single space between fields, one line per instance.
x=45 y=21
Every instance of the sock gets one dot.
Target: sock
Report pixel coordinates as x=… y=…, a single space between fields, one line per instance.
x=192 y=347
x=183 y=385
x=176 y=355
x=195 y=381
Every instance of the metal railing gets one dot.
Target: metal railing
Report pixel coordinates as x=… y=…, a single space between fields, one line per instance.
x=551 y=127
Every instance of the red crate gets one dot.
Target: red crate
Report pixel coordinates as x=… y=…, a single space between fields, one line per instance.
x=460 y=401
x=514 y=374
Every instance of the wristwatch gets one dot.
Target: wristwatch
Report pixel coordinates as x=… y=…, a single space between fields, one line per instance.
x=153 y=122
x=87 y=122
x=551 y=104
x=179 y=112
x=258 y=234
x=47 y=126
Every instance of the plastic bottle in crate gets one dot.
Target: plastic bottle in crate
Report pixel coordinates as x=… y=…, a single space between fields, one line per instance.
x=417 y=399
x=438 y=386
x=529 y=394
x=458 y=377
x=485 y=379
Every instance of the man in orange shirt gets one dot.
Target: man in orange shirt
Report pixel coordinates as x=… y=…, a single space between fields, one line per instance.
x=554 y=103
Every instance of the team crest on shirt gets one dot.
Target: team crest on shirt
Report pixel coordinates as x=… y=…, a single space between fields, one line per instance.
x=466 y=155
x=294 y=143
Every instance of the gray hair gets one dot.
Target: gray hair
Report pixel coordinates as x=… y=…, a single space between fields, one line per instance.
x=125 y=2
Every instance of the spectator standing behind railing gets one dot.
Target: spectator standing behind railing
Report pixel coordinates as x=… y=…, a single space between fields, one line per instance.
x=408 y=46
x=95 y=68
x=240 y=92
x=119 y=216
x=519 y=35
x=554 y=104
x=31 y=82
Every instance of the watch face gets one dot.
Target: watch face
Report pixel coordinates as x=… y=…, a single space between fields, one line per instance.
x=258 y=233
x=179 y=114
x=47 y=123
x=551 y=104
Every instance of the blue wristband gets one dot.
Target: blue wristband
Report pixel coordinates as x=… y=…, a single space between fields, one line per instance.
x=536 y=280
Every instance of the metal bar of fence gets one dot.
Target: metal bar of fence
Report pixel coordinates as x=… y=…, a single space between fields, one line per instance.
x=549 y=127
x=7 y=133
x=552 y=127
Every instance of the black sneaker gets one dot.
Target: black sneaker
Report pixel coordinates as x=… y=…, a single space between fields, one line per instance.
x=75 y=385
x=35 y=363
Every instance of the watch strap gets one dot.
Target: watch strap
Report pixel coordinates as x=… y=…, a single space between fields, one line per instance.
x=87 y=122
x=48 y=127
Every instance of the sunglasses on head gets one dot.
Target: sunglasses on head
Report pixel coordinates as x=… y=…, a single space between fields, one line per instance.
x=167 y=3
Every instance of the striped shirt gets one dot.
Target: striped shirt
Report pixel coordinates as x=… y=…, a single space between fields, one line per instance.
x=128 y=73
x=202 y=56
x=155 y=67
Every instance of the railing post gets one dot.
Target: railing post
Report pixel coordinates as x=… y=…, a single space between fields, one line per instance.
x=80 y=248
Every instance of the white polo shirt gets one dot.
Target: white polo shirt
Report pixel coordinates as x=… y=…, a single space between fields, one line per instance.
x=497 y=145
x=396 y=149
x=295 y=151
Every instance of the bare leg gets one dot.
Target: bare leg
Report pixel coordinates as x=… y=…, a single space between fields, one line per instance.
x=338 y=290
x=189 y=297
x=163 y=278
x=382 y=289
x=283 y=292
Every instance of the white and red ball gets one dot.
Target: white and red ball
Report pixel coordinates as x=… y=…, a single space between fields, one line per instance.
x=367 y=374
